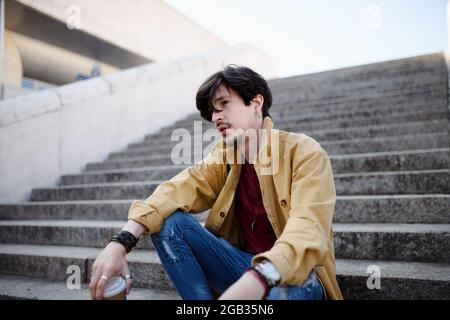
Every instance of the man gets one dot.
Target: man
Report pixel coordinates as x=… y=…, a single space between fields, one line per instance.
x=268 y=234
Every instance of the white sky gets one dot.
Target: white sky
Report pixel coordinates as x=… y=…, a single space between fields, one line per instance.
x=305 y=36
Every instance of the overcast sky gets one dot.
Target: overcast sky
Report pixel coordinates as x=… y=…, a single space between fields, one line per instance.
x=305 y=36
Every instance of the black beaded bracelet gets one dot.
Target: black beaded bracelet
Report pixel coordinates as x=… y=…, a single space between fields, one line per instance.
x=125 y=238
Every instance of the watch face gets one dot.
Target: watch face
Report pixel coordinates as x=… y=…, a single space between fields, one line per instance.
x=271 y=271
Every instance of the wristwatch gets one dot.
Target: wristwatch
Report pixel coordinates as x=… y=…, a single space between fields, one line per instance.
x=269 y=272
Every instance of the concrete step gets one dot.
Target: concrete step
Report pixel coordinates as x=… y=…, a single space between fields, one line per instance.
x=424 y=95
x=399 y=280
x=142 y=169
x=27 y=288
x=362 y=118
x=123 y=175
x=286 y=116
x=51 y=263
x=396 y=242
x=399 y=242
x=375 y=89
x=344 y=87
x=411 y=66
x=427 y=208
x=395 y=182
x=426 y=159
x=306 y=125
x=325 y=120
x=375 y=131
x=385 y=144
x=411 y=208
x=412 y=75
x=76 y=209
x=72 y=210
x=79 y=233
x=146 y=157
x=340 y=86
x=374 y=108
x=333 y=134
x=365 y=162
x=391 y=182
x=99 y=191
x=433 y=94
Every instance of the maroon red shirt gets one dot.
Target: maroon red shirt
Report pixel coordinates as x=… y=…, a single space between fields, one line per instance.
x=249 y=208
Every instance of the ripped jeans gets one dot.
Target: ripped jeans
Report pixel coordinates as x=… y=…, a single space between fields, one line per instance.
x=197 y=261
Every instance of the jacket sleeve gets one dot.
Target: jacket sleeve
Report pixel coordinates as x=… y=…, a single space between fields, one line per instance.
x=306 y=236
x=193 y=190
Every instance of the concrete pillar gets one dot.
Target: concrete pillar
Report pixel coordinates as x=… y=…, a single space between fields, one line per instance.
x=447 y=56
x=12 y=61
x=2 y=40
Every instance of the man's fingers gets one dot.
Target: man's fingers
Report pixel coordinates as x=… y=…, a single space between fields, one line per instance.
x=93 y=281
x=128 y=279
x=101 y=283
x=129 y=285
x=93 y=285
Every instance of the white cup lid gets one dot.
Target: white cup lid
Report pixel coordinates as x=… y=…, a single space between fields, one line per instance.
x=114 y=286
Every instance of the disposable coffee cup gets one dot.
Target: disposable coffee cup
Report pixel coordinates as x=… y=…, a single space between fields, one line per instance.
x=115 y=289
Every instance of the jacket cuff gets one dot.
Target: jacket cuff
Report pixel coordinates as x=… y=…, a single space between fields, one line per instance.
x=141 y=213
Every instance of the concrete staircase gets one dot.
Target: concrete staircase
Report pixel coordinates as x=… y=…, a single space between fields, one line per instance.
x=386 y=129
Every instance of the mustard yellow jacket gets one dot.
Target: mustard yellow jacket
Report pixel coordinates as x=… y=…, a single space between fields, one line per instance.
x=298 y=193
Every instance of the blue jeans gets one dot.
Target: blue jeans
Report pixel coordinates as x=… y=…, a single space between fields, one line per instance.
x=197 y=261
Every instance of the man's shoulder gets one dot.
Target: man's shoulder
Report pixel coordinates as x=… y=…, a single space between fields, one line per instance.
x=304 y=143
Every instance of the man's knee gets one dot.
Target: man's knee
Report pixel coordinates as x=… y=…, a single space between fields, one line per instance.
x=174 y=222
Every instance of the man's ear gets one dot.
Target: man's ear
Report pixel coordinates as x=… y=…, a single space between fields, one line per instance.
x=258 y=102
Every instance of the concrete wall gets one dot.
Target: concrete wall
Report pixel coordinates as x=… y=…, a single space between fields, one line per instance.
x=150 y=28
x=57 y=131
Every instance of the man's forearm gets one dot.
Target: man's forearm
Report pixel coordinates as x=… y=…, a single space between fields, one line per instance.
x=135 y=228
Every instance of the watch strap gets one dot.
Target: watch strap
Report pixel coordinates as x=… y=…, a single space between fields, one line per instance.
x=261 y=279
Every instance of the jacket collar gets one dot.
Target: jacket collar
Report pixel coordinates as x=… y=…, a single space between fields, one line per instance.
x=263 y=156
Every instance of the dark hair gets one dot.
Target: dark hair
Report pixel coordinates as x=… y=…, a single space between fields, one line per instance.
x=246 y=82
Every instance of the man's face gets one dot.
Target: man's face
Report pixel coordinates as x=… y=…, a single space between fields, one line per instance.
x=230 y=113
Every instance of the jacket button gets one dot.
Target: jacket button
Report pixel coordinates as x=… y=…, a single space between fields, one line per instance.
x=222 y=214
x=283 y=203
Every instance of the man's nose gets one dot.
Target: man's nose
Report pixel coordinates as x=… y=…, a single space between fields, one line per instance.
x=216 y=117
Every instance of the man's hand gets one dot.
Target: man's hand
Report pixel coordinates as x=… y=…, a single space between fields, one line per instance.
x=248 y=287
x=111 y=262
